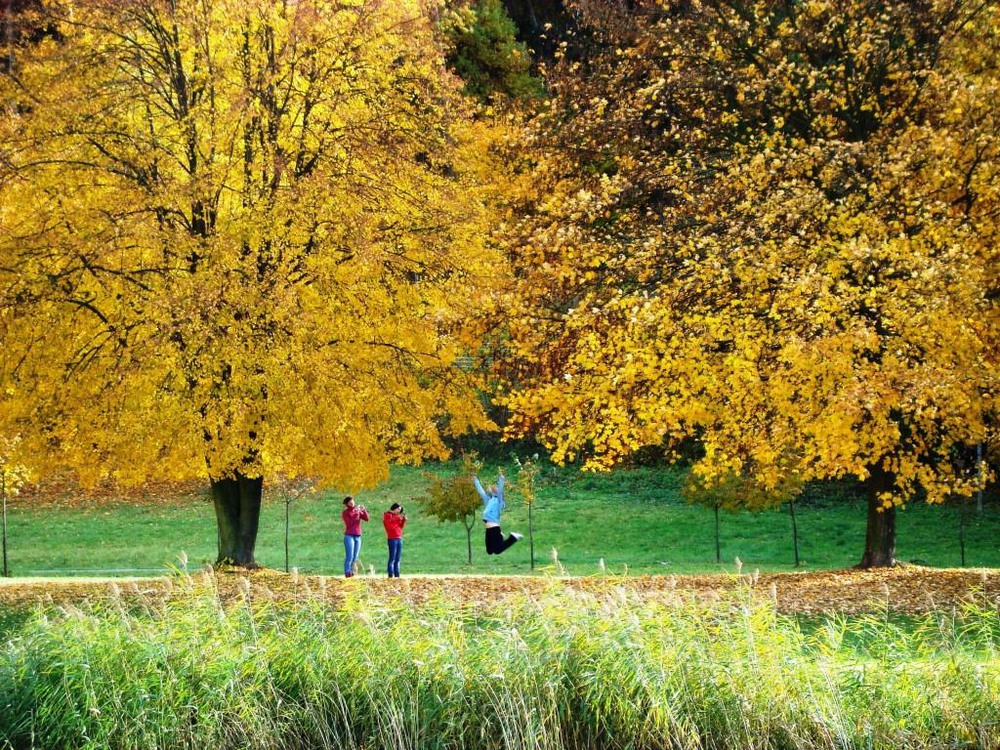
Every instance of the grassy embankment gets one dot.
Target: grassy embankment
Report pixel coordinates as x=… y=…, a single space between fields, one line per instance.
x=633 y=520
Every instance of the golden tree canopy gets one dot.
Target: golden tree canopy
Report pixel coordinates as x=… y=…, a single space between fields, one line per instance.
x=772 y=226
x=247 y=232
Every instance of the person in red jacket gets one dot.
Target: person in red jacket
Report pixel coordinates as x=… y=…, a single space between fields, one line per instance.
x=394 y=520
x=353 y=515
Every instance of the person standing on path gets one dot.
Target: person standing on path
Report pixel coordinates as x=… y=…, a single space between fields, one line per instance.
x=353 y=515
x=493 y=505
x=394 y=520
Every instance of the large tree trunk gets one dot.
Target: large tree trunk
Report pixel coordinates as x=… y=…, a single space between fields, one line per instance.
x=237 y=509
x=880 y=538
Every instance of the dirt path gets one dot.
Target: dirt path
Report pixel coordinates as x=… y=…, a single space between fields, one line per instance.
x=906 y=589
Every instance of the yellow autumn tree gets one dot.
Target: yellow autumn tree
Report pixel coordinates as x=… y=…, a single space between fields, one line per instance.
x=238 y=238
x=771 y=226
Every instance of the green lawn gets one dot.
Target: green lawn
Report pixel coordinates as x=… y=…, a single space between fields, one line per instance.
x=635 y=521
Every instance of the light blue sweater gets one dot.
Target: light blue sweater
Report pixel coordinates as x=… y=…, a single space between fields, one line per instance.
x=492 y=504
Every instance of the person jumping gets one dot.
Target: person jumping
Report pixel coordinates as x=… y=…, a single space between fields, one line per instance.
x=492 y=508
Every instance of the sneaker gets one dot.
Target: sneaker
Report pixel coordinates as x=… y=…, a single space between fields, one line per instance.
x=517 y=536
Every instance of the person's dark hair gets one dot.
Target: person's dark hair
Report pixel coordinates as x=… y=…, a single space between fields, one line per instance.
x=348 y=499
x=395 y=506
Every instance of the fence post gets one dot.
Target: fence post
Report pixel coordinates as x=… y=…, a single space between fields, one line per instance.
x=979 y=468
x=718 y=549
x=3 y=494
x=795 y=531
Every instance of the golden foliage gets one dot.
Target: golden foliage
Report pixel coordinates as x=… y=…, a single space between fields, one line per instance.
x=13 y=474
x=241 y=232
x=770 y=226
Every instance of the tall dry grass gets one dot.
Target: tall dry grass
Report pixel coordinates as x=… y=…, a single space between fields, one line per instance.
x=563 y=672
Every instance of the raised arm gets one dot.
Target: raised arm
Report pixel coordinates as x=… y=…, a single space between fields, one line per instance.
x=480 y=490
x=500 y=485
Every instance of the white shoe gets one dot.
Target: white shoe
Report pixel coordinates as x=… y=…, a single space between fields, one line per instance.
x=517 y=536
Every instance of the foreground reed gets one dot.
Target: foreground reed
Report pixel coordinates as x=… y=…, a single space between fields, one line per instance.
x=563 y=672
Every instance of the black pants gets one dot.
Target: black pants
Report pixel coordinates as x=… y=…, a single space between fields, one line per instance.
x=495 y=543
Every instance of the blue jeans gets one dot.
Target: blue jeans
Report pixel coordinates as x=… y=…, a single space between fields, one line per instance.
x=395 y=553
x=352 y=548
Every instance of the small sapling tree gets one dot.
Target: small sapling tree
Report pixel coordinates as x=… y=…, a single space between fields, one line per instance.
x=454 y=498
x=525 y=487
x=293 y=493
x=734 y=492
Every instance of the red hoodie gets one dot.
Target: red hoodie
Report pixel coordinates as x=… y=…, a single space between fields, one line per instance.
x=394 y=524
x=352 y=520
